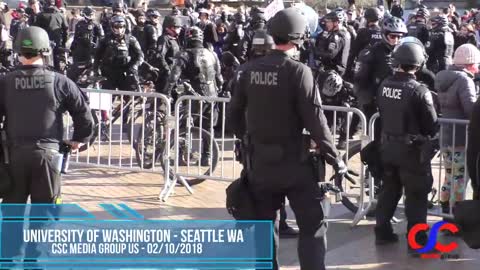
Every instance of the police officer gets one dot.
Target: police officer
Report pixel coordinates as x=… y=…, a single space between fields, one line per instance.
x=440 y=45
x=153 y=29
x=18 y=24
x=257 y=22
x=409 y=120
x=374 y=64
x=138 y=30
x=278 y=164
x=118 y=57
x=235 y=35
x=202 y=68
x=333 y=46
x=87 y=35
x=419 y=27
x=33 y=102
x=53 y=21
x=167 y=48
x=367 y=36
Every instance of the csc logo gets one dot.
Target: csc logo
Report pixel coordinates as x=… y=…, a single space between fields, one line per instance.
x=432 y=238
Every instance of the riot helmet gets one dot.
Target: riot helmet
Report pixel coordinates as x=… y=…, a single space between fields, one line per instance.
x=372 y=15
x=422 y=13
x=287 y=25
x=118 y=25
x=117 y=7
x=333 y=84
x=439 y=22
x=262 y=43
x=88 y=12
x=338 y=15
x=154 y=16
x=32 y=41
x=194 y=33
x=393 y=29
x=410 y=52
x=239 y=18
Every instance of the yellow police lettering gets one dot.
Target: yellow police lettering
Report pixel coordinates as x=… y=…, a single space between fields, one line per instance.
x=33 y=82
x=392 y=93
x=263 y=78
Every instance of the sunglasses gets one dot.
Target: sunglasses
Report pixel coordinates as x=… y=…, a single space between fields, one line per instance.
x=393 y=36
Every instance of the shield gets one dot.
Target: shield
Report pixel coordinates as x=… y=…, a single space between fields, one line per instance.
x=310 y=15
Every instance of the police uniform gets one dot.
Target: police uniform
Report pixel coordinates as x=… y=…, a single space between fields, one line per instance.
x=119 y=59
x=440 y=49
x=373 y=66
x=419 y=30
x=33 y=100
x=274 y=100
x=87 y=35
x=202 y=68
x=332 y=49
x=366 y=37
x=167 y=49
x=408 y=119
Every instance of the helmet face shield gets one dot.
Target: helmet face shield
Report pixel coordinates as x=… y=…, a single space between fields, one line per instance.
x=118 y=29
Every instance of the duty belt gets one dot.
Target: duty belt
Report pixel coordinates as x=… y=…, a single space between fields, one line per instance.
x=405 y=139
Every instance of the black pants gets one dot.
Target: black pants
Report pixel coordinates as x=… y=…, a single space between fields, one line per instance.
x=120 y=79
x=34 y=175
x=295 y=181
x=403 y=169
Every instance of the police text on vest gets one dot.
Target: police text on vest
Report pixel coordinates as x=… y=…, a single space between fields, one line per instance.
x=392 y=93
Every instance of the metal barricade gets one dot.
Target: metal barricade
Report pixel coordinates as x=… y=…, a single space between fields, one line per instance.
x=131 y=131
x=354 y=194
x=449 y=160
x=203 y=149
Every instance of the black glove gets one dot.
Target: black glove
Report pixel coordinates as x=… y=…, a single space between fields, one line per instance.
x=340 y=167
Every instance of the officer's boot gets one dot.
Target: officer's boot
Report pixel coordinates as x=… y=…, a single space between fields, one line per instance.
x=385 y=235
x=285 y=230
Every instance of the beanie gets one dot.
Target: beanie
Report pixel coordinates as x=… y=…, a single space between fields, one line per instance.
x=466 y=54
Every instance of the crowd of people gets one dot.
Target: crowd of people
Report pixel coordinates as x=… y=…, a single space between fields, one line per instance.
x=412 y=68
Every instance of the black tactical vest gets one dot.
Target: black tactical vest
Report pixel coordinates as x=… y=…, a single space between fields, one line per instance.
x=117 y=55
x=32 y=107
x=201 y=70
x=397 y=107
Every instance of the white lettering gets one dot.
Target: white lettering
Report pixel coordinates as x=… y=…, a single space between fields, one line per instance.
x=392 y=93
x=264 y=78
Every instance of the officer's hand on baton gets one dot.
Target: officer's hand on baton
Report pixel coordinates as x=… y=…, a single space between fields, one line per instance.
x=74 y=145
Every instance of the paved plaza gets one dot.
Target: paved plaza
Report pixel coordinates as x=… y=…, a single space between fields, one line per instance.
x=348 y=248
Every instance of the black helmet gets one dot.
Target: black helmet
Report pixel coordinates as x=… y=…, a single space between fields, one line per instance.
x=229 y=60
x=172 y=21
x=333 y=84
x=423 y=12
x=239 y=18
x=117 y=21
x=410 y=51
x=393 y=25
x=194 y=34
x=185 y=12
x=337 y=16
x=262 y=42
x=258 y=17
x=153 y=13
x=372 y=14
x=288 y=25
x=440 y=21
x=32 y=40
x=88 y=11
x=117 y=6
